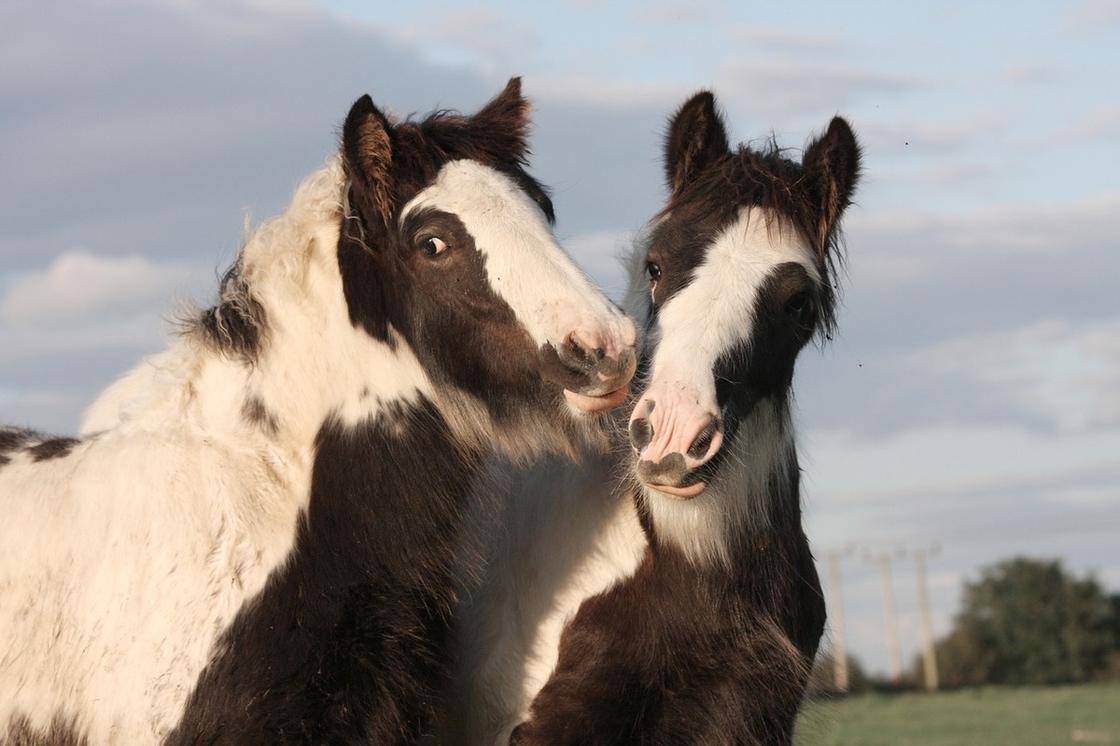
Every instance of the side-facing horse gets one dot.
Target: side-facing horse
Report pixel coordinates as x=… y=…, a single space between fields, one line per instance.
x=259 y=545
x=691 y=611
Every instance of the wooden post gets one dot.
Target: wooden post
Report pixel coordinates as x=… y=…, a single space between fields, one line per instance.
x=929 y=657
x=836 y=615
x=889 y=617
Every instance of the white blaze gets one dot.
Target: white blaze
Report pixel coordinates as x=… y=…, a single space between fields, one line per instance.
x=526 y=267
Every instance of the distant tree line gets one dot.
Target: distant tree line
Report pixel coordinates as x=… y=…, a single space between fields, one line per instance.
x=1022 y=622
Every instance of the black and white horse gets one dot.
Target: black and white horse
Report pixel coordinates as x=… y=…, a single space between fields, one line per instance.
x=667 y=594
x=255 y=543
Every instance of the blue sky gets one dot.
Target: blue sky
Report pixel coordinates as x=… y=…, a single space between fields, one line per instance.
x=970 y=399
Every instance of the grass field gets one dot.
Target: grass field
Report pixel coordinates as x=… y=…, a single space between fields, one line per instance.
x=991 y=716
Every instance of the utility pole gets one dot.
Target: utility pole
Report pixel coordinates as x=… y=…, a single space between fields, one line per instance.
x=929 y=655
x=836 y=615
x=893 y=655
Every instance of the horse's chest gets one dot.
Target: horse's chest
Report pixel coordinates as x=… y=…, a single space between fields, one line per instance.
x=565 y=543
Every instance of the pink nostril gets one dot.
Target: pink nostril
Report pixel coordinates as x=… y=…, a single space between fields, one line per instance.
x=658 y=434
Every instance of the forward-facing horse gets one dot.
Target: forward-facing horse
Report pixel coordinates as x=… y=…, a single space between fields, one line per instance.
x=690 y=610
x=258 y=546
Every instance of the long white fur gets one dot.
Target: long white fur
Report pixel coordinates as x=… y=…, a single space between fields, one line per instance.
x=122 y=563
x=566 y=534
x=568 y=537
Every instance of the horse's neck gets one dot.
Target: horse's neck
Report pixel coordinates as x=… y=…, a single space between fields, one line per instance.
x=314 y=368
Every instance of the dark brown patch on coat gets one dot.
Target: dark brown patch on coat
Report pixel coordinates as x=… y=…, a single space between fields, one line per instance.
x=762 y=366
x=235 y=326
x=255 y=412
x=60 y=733
x=349 y=642
x=52 y=448
x=15 y=438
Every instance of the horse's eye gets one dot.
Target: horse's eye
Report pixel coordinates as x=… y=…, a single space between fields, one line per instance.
x=653 y=269
x=433 y=246
x=799 y=306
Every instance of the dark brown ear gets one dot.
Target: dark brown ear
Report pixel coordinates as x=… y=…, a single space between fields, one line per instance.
x=367 y=152
x=696 y=140
x=832 y=168
x=501 y=127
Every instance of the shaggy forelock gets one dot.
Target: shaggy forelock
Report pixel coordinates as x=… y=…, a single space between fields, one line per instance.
x=422 y=147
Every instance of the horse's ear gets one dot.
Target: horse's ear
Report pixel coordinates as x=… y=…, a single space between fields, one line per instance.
x=832 y=168
x=501 y=127
x=696 y=139
x=367 y=152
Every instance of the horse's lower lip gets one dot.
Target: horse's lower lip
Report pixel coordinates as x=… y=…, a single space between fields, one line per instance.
x=687 y=491
x=597 y=403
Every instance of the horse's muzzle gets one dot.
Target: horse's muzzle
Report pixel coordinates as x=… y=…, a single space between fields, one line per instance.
x=673 y=436
x=594 y=374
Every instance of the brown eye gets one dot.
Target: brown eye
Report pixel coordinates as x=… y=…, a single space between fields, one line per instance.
x=433 y=247
x=800 y=306
x=653 y=270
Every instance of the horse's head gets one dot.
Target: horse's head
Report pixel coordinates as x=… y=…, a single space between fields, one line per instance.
x=447 y=246
x=738 y=277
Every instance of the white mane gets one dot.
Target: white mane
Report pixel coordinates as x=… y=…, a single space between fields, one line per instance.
x=270 y=269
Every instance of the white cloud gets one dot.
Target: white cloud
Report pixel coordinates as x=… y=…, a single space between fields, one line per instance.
x=947 y=174
x=673 y=12
x=935 y=463
x=1066 y=373
x=1093 y=15
x=97 y=339
x=79 y=283
x=781 y=41
x=1046 y=228
x=611 y=93
x=1027 y=74
x=1102 y=125
x=495 y=43
x=924 y=136
x=776 y=86
x=783 y=87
